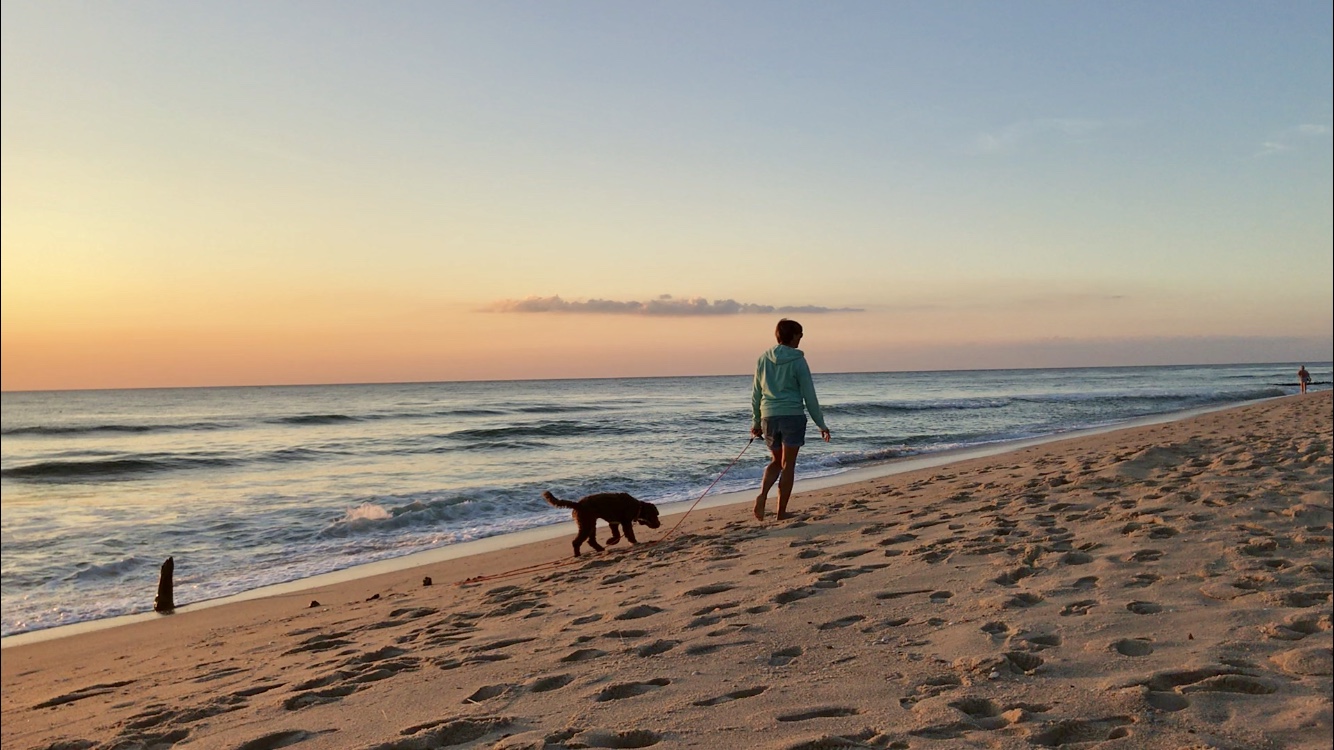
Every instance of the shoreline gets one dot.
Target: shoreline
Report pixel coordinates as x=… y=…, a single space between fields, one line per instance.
x=511 y=540
x=1161 y=586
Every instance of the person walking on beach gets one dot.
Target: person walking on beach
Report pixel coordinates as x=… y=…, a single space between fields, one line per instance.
x=1303 y=378
x=781 y=395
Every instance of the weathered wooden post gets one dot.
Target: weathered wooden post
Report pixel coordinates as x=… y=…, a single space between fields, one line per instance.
x=164 y=603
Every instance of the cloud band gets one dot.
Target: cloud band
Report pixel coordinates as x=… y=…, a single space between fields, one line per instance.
x=662 y=306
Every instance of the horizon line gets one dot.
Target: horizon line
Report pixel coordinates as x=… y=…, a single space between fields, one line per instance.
x=645 y=377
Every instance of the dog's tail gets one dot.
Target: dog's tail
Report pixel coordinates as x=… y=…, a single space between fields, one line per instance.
x=557 y=501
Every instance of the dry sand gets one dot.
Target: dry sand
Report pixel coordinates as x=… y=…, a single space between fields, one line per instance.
x=1155 y=587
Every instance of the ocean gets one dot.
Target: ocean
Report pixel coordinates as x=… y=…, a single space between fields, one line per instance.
x=250 y=486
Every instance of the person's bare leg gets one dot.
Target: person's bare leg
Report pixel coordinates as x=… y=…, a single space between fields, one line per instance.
x=786 y=478
x=771 y=473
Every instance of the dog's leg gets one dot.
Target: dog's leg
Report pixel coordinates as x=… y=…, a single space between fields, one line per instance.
x=585 y=535
x=588 y=528
x=630 y=532
x=615 y=537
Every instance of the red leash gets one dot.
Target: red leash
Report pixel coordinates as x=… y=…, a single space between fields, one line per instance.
x=670 y=531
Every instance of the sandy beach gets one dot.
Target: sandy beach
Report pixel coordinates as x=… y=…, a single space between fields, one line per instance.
x=1165 y=586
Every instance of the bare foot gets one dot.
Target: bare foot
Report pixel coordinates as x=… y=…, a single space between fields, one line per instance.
x=759 y=508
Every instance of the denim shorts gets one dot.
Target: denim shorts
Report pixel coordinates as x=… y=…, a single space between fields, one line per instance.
x=784 y=431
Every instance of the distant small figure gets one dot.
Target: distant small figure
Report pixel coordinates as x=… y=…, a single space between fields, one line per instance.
x=781 y=395
x=1303 y=377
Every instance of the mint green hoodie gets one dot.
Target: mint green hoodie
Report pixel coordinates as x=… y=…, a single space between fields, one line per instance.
x=782 y=384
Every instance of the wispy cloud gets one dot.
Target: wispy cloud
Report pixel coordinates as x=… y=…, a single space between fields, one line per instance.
x=1014 y=135
x=666 y=305
x=1290 y=138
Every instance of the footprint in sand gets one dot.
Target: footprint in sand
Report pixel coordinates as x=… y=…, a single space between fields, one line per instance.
x=1298 y=599
x=1142 y=580
x=897 y=539
x=715 y=608
x=159 y=715
x=732 y=696
x=1034 y=641
x=1164 y=701
x=892 y=622
x=792 y=595
x=353 y=674
x=930 y=688
x=717 y=588
x=583 y=654
x=656 y=647
x=1014 y=575
x=498 y=645
x=1076 y=558
x=900 y=594
x=547 y=684
x=315 y=697
x=275 y=740
x=1230 y=683
x=323 y=642
x=257 y=689
x=1023 y=662
x=1079 y=608
x=1022 y=601
x=1297 y=627
x=636 y=612
x=1132 y=647
x=1079 y=731
x=446 y=732
x=626 y=739
x=1220 y=679
x=446 y=663
x=487 y=692
x=630 y=689
x=842 y=622
x=783 y=657
x=708 y=648
x=983 y=712
x=1144 y=608
x=823 y=712
x=1316 y=661
x=82 y=693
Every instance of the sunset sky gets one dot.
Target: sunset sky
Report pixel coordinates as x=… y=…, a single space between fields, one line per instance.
x=216 y=193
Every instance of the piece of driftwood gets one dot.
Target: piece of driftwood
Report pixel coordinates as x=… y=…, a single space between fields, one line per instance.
x=164 y=602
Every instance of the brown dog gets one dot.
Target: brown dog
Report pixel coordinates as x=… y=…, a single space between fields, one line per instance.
x=619 y=510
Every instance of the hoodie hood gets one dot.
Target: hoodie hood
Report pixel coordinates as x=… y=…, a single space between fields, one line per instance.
x=782 y=354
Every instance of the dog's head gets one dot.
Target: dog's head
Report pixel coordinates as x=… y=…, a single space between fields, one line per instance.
x=648 y=515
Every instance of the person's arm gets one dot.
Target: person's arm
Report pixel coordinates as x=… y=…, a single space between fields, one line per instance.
x=755 y=395
x=807 y=386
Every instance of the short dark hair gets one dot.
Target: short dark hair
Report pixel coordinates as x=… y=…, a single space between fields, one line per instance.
x=787 y=331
